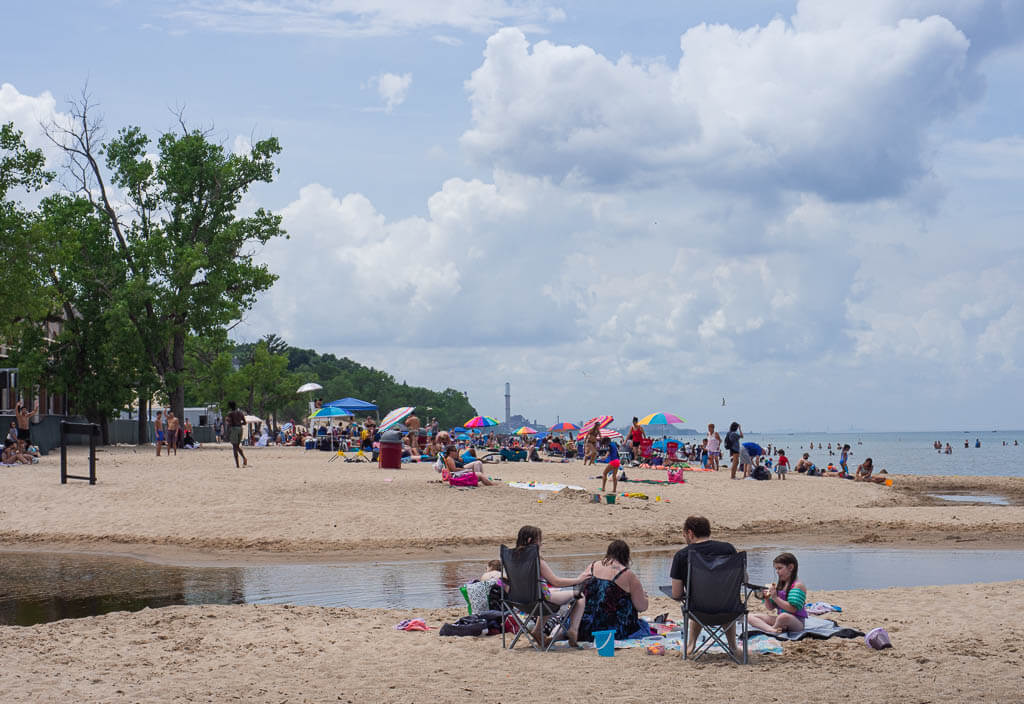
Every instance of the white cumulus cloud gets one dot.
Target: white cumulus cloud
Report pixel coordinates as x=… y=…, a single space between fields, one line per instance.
x=392 y=88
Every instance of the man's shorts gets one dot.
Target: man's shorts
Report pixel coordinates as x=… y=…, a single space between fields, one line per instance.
x=714 y=454
x=235 y=434
x=24 y=434
x=159 y=436
x=744 y=455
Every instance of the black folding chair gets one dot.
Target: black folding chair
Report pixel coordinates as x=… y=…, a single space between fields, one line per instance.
x=523 y=598
x=713 y=601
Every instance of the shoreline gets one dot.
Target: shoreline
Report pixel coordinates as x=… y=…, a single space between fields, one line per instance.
x=170 y=554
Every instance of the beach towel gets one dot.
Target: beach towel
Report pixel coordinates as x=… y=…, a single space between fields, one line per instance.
x=412 y=624
x=536 y=486
x=814 y=627
x=822 y=607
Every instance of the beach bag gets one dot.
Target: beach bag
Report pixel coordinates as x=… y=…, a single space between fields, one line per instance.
x=675 y=476
x=439 y=464
x=761 y=473
x=477 y=595
x=467 y=479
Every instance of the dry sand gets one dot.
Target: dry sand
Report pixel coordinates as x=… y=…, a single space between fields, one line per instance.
x=293 y=501
x=951 y=644
x=957 y=643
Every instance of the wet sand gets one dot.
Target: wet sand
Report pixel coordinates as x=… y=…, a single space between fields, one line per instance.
x=308 y=654
x=292 y=503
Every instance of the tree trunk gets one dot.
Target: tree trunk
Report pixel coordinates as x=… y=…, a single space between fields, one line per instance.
x=178 y=364
x=143 y=418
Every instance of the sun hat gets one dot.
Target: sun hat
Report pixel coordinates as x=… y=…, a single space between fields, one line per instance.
x=878 y=638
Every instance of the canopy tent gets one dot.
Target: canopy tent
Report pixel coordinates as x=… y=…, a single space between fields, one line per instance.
x=353 y=404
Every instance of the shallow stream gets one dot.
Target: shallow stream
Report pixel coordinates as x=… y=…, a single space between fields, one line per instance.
x=38 y=587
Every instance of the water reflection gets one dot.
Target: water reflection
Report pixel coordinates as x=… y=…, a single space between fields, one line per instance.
x=41 y=587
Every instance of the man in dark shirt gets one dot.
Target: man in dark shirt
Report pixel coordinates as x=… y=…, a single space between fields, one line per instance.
x=697 y=530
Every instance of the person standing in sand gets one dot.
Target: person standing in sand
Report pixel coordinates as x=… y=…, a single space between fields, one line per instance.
x=21 y=417
x=172 y=432
x=732 y=444
x=413 y=424
x=234 y=420
x=158 y=430
x=714 y=445
x=590 y=446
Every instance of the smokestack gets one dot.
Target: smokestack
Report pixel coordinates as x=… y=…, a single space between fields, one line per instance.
x=508 y=402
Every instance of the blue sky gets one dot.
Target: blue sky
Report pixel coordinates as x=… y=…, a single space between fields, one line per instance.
x=810 y=208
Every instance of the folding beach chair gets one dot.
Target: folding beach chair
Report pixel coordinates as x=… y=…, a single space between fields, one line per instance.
x=713 y=601
x=523 y=600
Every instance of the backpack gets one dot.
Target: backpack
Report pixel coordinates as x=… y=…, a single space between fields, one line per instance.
x=761 y=473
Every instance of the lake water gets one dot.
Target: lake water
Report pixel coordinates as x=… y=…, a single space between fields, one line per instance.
x=910 y=453
x=42 y=587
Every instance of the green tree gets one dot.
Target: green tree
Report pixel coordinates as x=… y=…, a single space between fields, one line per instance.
x=186 y=252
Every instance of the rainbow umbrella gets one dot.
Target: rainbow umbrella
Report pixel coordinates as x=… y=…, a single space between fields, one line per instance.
x=330 y=412
x=395 y=417
x=599 y=421
x=525 y=430
x=564 y=427
x=661 y=419
x=480 y=422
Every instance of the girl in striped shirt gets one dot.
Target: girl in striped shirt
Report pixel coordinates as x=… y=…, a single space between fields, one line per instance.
x=787 y=597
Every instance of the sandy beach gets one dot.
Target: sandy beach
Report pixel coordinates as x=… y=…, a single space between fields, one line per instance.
x=291 y=501
x=306 y=654
x=293 y=505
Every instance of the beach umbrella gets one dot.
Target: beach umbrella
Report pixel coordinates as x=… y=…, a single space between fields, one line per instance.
x=564 y=427
x=396 y=416
x=661 y=419
x=311 y=386
x=525 y=430
x=599 y=421
x=253 y=419
x=330 y=412
x=480 y=422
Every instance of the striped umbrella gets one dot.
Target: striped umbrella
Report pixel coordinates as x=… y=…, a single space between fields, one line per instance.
x=395 y=417
x=599 y=421
x=564 y=427
x=480 y=422
x=661 y=419
x=525 y=430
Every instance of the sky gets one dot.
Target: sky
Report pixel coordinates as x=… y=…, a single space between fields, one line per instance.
x=811 y=209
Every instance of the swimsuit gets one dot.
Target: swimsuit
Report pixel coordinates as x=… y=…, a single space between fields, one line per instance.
x=607 y=606
x=159 y=436
x=799 y=596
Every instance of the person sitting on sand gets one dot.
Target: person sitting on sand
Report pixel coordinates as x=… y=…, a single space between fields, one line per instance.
x=864 y=473
x=612 y=598
x=804 y=463
x=12 y=455
x=475 y=467
x=697 y=532
x=787 y=597
x=493 y=572
x=531 y=535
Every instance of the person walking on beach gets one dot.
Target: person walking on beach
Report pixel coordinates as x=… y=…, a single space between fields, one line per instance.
x=172 y=432
x=732 y=444
x=158 y=430
x=590 y=446
x=234 y=421
x=636 y=436
x=21 y=417
x=714 y=444
x=843 y=458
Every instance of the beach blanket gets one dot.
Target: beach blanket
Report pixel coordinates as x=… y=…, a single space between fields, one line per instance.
x=820 y=628
x=646 y=481
x=673 y=641
x=537 y=486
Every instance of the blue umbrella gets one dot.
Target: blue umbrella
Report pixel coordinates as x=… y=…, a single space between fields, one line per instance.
x=330 y=412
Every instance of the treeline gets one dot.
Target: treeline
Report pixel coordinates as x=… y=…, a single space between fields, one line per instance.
x=263 y=377
x=132 y=255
